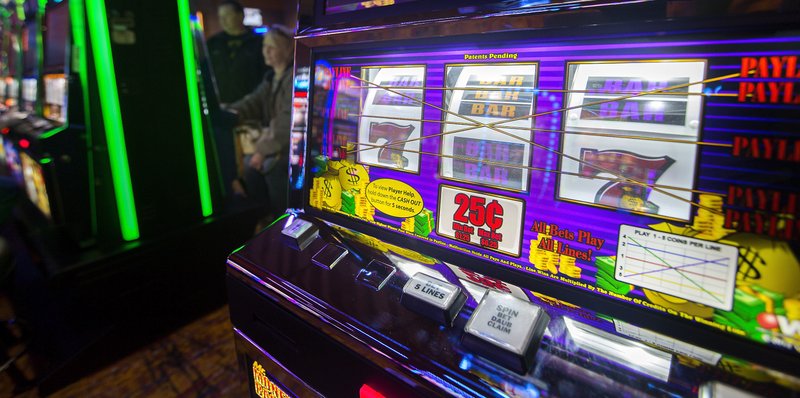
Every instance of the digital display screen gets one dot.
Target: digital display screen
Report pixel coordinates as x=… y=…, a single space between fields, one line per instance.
x=29 y=92
x=55 y=97
x=3 y=156
x=12 y=91
x=29 y=51
x=661 y=173
x=34 y=184
x=13 y=162
x=56 y=35
x=12 y=51
x=340 y=6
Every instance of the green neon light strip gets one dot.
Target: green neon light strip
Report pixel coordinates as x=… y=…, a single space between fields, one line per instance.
x=190 y=69
x=112 y=118
x=49 y=133
x=78 y=25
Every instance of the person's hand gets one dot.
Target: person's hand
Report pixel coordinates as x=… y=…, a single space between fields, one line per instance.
x=256 y=161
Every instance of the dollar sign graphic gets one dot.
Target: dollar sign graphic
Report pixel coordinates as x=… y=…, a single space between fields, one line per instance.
x=354 y=177
x=328 y=187
x=747 y=264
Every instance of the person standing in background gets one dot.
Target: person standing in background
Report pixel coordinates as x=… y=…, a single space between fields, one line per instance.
x=235 y=54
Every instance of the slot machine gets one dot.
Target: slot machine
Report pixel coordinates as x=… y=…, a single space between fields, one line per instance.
x=549 y=198
x=21 y=95
x=9 y=74
x=20 y=60
x=49 y=132
x=10 y=58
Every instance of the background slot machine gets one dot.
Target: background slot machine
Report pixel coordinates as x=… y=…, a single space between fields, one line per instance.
x=98 y=148
x=122 y=177
x=23 y=50
x=534 y=199
x=54 y=147
x=9 y=59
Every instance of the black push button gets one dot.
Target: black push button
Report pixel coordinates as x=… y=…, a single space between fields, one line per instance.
x=329 y=256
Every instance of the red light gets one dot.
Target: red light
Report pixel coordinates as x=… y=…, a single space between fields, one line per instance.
x=5 y=130
x=368 y=392
x=25 y=144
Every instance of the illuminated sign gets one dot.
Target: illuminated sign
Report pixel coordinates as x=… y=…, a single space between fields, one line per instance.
x=263 y=386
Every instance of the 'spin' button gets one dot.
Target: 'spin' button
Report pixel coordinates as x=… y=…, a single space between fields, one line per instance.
x=503 y=321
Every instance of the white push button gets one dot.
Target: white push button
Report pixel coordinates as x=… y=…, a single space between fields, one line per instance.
x=433 y=297
x=503 y=321
x=431 y=290
x=297 y=228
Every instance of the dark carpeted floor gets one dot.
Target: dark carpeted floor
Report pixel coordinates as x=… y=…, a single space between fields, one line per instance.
x=198 y=360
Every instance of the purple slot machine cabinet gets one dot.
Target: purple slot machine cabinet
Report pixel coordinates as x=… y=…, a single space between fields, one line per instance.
x=547 y=198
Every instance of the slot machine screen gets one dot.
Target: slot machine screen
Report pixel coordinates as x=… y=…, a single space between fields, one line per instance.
x=3 y=157
x=55 y=62
x=12 y=90
x=56 y=38
x=13 y=162
x=29 y=51
x=55 y=97
x=625 y=166
x=34 y=183
x=29 y=88
x=10 y=84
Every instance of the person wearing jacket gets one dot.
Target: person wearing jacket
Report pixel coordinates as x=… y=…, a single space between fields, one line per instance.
x=266 y=171
x=235 y=54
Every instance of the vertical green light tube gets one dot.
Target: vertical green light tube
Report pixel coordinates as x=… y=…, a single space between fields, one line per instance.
x=112 y=118
x=80 y=63
x=190 y=69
